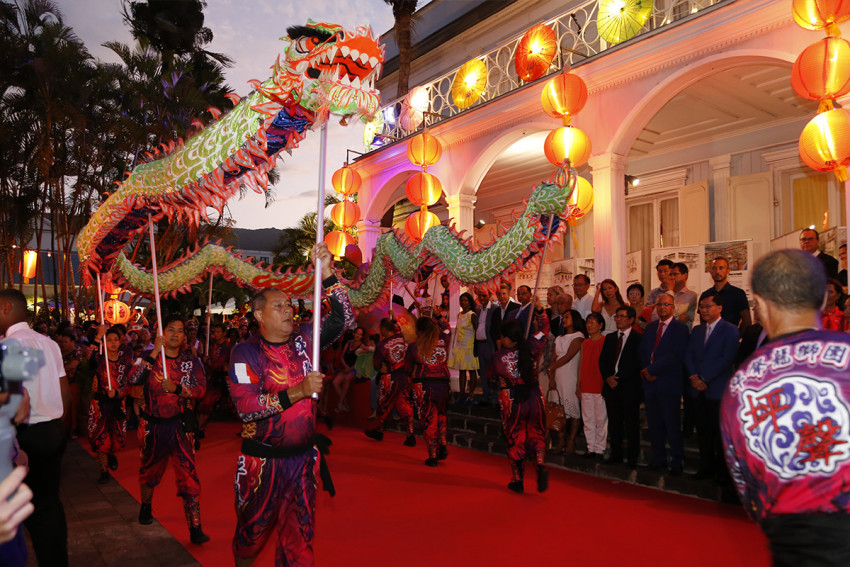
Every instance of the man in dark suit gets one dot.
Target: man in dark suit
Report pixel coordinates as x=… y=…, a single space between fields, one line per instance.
x=501 y=312
x=621 y=386
x=523 y=295
x=810 y=242
x=661 y=354
x=710 y=362
x=484 y=345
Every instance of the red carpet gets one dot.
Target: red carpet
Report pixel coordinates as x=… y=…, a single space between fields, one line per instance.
x=392 y=510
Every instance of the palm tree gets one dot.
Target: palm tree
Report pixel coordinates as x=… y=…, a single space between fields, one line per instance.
x=403 y=11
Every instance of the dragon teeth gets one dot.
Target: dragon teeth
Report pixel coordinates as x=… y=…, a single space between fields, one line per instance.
x=373 y=61
x=355 y=83
x=345 y=80
x=355 y=55
x=364 y=58
x=345 y=50
x=332 y=53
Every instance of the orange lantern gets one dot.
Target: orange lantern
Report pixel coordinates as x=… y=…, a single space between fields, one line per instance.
x=116 y=312
x=822 y=70
x=567 y=143
x=346 y=181
x=535 y=52
x=821 y=14
x=423 y=189
x=563 y=96
x=581 y=199
x=825 y=142
x=337 y=240
x=345 y=213
x=28 y=264
x=424 y=150
x=418 y=223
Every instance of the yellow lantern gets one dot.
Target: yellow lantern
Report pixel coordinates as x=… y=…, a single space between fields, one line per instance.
x=423 y=189
x=821 y=14
x=563 y=96
x=345 y=213
x=346 y=181
x=469 y=82
x=424 y=150
x=567 y=142
x=116 y=312
x=418 y=223
x=337 y=240
x=28 y=264
x=581 y=199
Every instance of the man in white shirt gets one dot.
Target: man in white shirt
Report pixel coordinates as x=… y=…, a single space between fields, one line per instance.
x=583 y=300
x=685 y=299
x=42 y=436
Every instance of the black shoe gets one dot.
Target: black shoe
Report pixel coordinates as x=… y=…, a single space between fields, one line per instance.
x=197 y=536
x=145 y=514
x=589 y=455
x=329 y=421
x=374 y=434
x=410 y=441
x=197 y=443
x=442 y=453
x=112 y=460
x=431 y=462
x=675 y=471
x=656 y=467
x=612 y=460
x=104 y=477
x=542 y=478
x=700 y=475
x=516 y=486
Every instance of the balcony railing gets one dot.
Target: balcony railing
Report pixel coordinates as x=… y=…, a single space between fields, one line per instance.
x=578 y=38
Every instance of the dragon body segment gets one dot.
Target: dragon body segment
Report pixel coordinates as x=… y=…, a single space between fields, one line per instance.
x=326 y=70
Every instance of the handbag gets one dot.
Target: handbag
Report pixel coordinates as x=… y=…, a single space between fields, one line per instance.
x=555 y=418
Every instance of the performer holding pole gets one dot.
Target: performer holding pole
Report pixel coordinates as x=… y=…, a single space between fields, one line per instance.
x=209 y=317
x=156 y=294
x=102 y=347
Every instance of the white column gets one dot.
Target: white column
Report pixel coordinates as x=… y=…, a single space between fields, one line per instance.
x=720 y=169
x=609 y=216
x=368 y=231
x=462 y=212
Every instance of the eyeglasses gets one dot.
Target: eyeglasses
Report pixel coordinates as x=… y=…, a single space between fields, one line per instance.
x=805 y=238
x=665 y=304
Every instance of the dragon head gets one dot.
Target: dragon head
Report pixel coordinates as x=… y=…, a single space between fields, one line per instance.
x=337 y=68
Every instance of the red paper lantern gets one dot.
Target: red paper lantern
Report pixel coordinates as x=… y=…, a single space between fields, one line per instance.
x=345 y=213
x=337 y=240
x=423 y=189
x=116 y=312
x=418 y=223
x=567 y=142
x=825 y=142
x=821 y=14
x=581 y=199
x=424 y=150
x=563 y=96
x=822 y=70
x=28 y=264
x=346 y=181
x=535 y=52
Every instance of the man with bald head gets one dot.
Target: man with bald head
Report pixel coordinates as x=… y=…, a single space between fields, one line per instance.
x=272 y=382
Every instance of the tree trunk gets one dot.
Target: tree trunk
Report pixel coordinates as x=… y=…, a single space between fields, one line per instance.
x=402 y=36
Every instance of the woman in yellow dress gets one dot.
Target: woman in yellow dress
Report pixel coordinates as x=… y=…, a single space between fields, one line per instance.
x=463 y=356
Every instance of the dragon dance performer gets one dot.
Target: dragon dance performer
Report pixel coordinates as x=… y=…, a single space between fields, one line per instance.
x=520 y=398
x=426 y=364
x=271 y=383
x=107 y=425
x=217 y=362
x=165 y=431
x=785 y=418
x=393 y=381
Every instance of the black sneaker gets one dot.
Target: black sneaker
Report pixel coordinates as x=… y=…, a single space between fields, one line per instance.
x=112 y=461
x=542 y=478
x=197 y=443
x=145 y=514
x=516 y=486
x=410 y=441
x=104 y=477
x=197 y=536
x=442 y=453
x=431 y=462
x=374 y=434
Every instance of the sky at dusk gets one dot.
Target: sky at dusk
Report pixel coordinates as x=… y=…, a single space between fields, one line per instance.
x=248 y=31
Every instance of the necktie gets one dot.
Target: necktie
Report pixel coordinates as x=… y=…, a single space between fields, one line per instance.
x=657 y=339
x=707 y=333
x=619 y=346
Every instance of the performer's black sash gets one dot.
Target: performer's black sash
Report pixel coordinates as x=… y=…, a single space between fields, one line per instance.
x=809 y=540
x=254 y=448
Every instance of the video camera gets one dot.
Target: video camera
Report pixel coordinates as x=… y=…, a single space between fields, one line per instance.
x=17 y=364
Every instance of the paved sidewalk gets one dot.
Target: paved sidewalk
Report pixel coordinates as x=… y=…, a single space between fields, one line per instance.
x=103 y=527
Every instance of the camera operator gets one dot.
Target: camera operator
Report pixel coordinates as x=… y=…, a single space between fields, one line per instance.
x=42 y=437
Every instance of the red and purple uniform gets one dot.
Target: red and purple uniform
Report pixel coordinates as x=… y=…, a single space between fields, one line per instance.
x=107 y=425
x=161 y=433
x=785 y=419
x=430 y=389
x=393 y=382
x=276 y=473
x=522 y=416
x=216 y=376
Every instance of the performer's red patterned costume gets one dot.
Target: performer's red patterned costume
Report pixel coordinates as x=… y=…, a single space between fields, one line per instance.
x=161 y=433
x=430 y=389
x=522 y=420
x=279 y=491
x=107 y=425
x=393 y=381
x=216 y=376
